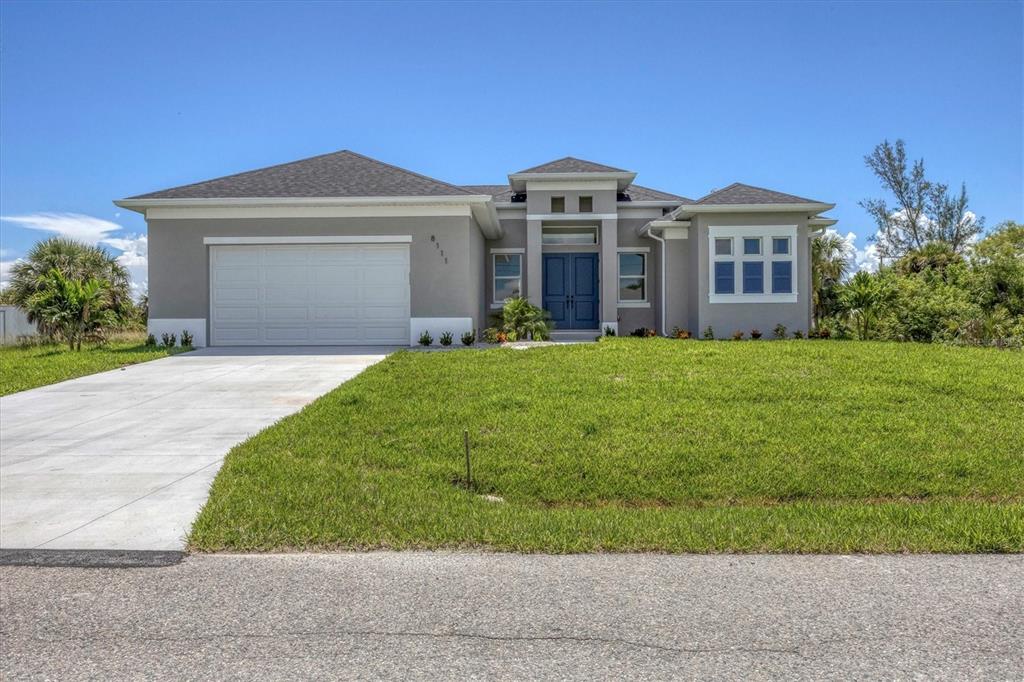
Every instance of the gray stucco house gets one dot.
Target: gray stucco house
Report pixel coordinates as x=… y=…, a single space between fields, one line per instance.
x=344 y=249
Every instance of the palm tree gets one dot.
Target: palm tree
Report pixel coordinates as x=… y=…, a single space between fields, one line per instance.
x=74 y=309
x=863 y=296
x=74 y=260
x=830 y=263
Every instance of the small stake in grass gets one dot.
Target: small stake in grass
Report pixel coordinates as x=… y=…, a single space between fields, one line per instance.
x=469 y=472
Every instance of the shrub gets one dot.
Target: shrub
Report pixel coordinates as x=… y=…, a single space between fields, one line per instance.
x=797 y=334
x=150 y=340
x=469 y=338
x=755 y=333
x=737 y=335
x=426 y=339
x=780 y=331
x=643 y=332
x=608 y=331
x=446 y=338
x=834 y=328
x=709 y=333
x=186 y=339
x=521 y=320
x=491 y=335
x=169 y=340
x=678 y=333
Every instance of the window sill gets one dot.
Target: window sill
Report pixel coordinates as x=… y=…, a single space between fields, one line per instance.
x=752 y=298
x=634 y=304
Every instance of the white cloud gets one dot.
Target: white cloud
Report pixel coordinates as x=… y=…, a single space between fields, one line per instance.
x=94 y=231
x=5 y=271
x=78 y=226
x=860 y=259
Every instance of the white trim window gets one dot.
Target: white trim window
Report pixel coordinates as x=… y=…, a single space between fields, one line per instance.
x=633 y=279
x=506 y=276
x=752 y=264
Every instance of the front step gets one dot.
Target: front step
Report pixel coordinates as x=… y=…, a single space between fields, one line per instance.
x=575 y=334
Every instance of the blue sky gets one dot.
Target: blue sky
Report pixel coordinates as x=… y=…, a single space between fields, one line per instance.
x=100 y=101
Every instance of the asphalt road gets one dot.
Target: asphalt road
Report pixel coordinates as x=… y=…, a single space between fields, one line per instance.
x=438 y=615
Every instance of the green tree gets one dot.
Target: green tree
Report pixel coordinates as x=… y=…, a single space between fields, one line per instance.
x=997 y=267
x=73 y=309
x=830 y=262
x=75 y=261
x=863 y=297
x=924 y=211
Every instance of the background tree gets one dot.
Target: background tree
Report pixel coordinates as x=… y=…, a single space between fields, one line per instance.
x=924 y=211
x=863 y=297
x=75 y=261
x=72 y=309
x=830 y=263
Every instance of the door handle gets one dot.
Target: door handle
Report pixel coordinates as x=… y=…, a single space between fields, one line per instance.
x=572 y=301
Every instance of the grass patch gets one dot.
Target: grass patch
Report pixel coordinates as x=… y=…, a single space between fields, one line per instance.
x=29 y=366
x=645 y=445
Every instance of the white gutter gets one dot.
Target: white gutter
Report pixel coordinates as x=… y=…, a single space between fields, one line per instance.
x=664 y=266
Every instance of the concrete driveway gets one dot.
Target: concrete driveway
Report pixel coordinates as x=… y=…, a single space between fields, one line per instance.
x=125 y=459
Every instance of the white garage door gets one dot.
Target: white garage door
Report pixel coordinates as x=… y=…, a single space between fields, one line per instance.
x=317 y=294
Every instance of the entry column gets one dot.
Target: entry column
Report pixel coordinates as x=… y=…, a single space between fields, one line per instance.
x=610 y=274
x=534 y=269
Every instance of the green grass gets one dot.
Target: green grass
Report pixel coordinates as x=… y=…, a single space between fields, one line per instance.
x=645 y=445
x=30 y=366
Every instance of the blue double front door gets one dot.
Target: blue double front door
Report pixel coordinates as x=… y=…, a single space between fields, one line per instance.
x=571 y=290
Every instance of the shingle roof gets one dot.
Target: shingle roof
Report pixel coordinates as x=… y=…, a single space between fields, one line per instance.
x=339 y=174
x=639 y=193
x=497 y=192
x=738 y=193
x=572 y=165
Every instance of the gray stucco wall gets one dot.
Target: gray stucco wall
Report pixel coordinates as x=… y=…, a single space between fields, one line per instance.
x=539 y=201
x=179 y=260
x=726 y=318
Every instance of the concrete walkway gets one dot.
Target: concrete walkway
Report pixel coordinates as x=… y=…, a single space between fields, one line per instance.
x=125 y=459
x=468 y=616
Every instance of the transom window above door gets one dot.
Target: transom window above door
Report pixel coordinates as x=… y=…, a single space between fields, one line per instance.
x=569 y=236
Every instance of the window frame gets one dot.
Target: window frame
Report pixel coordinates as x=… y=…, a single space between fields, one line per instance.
x=580 y=204
x=520 y=255
x=580 y=228
x=644 y=253
x=767 y=234
x=552 y=204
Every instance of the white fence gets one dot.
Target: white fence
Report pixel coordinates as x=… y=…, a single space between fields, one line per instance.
x=14 y=325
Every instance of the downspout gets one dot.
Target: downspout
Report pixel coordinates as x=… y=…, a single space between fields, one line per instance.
x=664 y=265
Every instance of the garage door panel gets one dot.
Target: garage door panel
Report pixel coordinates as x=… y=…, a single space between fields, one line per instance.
x=278 y=256
x=310 y=294
x=325 y=295
x=237 y=275
x=334 y=257
x=249 y=314
x=273 y=314
x=285 y=295
x=288 y=334
x=238 y=256
x=387 y=295
x=346 y=276
x=241 y=335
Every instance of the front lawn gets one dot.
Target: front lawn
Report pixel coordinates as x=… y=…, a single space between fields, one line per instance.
x=645 y=445
x=25 y=367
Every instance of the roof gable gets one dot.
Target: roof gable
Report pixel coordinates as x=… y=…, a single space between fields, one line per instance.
x=738 y=193
x=571 y=164
x=339 y=174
